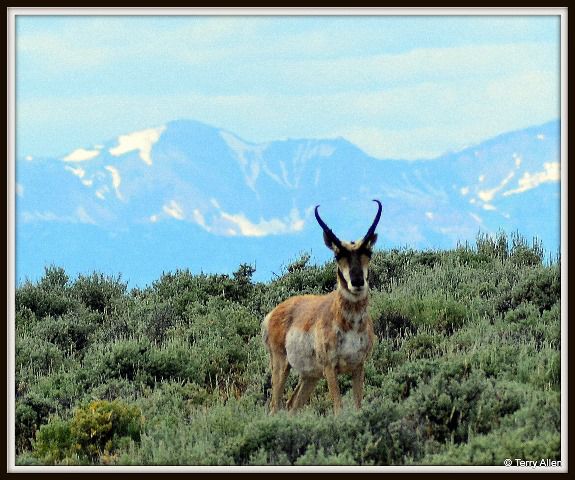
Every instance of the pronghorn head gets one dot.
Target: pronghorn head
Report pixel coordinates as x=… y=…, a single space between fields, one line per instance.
x=352 y=257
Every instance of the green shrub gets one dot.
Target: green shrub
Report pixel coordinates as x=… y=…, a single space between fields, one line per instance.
x=466 y=369
x=399 y=316
x=176 y=360
x=68 y=331
x=98 y=291
x=42 y=301
x=37 y=354
x=422 y=345
x=541 y=287
x=54 y=441
x=127 y=358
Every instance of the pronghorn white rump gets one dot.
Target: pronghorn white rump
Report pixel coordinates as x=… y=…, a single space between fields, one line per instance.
x=325 y=335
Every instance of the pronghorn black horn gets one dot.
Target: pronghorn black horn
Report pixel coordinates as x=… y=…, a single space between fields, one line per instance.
x=371 y=230
x=330 y=235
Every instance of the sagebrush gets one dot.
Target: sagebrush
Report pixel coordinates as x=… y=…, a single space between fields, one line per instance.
x=466 y=369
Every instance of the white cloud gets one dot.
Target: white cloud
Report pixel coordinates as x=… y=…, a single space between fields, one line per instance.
x=396 y=95
x=53 y=52
x=81 y=155
x=19 y=189
x=143 y=141
x=464 y=190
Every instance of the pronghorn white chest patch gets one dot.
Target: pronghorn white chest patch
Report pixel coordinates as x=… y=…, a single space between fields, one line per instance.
x=301 y=354
x=352 y=348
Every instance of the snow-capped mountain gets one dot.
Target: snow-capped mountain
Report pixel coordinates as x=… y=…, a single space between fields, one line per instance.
x=189 y=195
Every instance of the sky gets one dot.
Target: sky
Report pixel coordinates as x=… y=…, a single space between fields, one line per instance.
x=402 y=87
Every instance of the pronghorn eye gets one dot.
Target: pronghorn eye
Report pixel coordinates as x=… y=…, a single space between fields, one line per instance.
x=366 y=252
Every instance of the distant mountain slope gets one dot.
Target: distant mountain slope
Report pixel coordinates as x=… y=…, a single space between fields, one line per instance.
x=190 y=195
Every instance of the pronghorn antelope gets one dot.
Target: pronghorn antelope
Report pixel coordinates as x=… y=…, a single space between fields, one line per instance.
x=324 y=335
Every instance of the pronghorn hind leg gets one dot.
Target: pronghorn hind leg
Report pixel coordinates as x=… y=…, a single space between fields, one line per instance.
x=280 y=371
x=294 y=394
x=305 y=388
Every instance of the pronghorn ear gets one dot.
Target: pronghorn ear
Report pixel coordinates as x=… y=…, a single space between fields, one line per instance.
x=329 y=244
x=370 y=241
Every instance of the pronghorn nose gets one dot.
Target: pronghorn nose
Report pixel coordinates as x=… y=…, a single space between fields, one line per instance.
x=357 y=282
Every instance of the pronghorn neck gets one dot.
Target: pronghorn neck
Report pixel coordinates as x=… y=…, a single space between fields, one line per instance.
x=352 y=308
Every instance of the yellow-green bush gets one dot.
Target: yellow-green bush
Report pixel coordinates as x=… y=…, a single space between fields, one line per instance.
x=94 y=432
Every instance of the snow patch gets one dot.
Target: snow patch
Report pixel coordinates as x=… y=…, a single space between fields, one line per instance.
x=199 y=219
x=173 y=209
x=116 y=180
x=101 y=192
x=143 y=141
x=551 y=173
x=80 y=216
x=249 y=157
x=28 y=217
x=488 y=195
x=475 y=217
x=79 y=172
x=241 y=225
x=81 y=155
x=83 y=216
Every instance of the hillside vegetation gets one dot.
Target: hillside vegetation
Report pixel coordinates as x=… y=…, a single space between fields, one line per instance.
x=466 y=370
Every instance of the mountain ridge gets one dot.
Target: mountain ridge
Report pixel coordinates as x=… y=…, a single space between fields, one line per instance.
x=214 y=182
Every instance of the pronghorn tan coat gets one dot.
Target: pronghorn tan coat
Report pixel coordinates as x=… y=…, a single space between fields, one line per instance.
x=324 y=335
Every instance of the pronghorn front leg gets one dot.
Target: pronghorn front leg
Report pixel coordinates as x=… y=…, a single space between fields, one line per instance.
x=333 y=386
x=357 y=379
